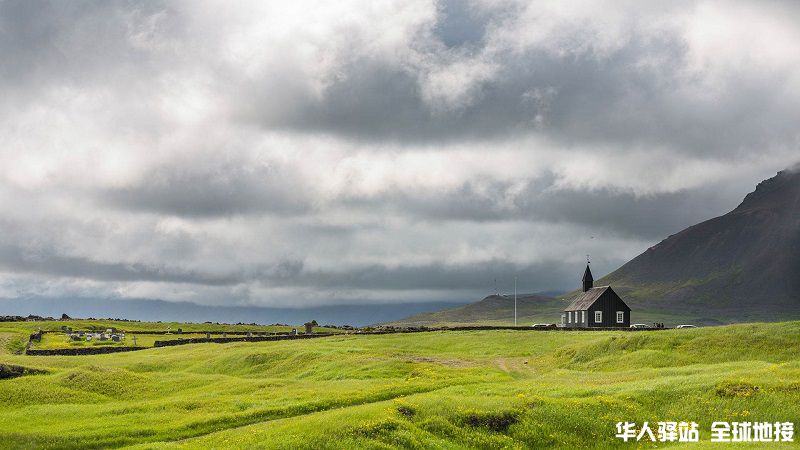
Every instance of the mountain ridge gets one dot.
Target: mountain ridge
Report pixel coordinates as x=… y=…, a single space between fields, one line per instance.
x=741 y=266
x=745 y=260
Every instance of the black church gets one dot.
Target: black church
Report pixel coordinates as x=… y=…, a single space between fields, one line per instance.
x=596 y=307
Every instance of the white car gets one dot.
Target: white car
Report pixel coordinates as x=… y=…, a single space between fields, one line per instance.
x=543 y=325
x=640 y=325
x=686 y=326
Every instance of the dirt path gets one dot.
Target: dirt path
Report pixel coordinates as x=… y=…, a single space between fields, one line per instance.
x=514 y=365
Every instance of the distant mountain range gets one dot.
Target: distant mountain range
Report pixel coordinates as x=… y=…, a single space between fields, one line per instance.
x=159 y=310
x=740 y=267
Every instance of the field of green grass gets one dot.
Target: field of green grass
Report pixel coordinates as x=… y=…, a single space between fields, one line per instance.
x=448 y=390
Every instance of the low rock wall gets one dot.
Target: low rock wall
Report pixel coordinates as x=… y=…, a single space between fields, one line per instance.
x=226 y=340
x=81 y=351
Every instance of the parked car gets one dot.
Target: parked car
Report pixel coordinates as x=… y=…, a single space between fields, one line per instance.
x=640 y=325
x=686 y=326
x=543 y=325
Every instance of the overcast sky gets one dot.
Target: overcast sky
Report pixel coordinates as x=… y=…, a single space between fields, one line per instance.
x=294 y=153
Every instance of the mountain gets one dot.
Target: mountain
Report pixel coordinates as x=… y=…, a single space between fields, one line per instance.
x=741 y=266
x=159 y=310
x=492 y=310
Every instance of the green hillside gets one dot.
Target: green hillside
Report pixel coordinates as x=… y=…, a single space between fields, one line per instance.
x=739 y=267
x=478 y=389
x=492 y=310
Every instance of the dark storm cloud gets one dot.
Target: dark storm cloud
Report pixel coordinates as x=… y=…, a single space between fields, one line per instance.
x=476 y=276
x=48 y=262
x=291 y=273
x=373 y=101
x=636 y=95
x=201 y=190
x=603 y=210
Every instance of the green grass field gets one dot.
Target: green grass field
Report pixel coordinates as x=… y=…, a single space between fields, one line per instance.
x=471 y=389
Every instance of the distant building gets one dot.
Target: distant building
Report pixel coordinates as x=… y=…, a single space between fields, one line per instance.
x=596 y=307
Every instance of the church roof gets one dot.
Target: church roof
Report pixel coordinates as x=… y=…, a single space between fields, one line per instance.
x=587 y=275
x=585 y=299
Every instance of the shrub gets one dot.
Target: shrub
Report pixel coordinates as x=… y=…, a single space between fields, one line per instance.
x=741 y=389
x=495 y=421
x=13 y=371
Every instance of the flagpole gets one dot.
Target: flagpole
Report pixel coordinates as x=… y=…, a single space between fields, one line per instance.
x=515 y=301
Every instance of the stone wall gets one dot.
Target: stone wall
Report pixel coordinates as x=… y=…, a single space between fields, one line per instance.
x=81 y=351
x=226 y=340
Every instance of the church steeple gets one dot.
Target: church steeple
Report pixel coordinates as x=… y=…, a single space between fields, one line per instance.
x=588 y=280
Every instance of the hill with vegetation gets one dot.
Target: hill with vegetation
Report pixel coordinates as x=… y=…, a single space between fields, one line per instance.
x=739 y=267
x=492 y=310
x=445 y=389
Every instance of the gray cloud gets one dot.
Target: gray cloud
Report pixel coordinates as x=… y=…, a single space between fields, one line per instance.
x=77 y=43
x=217 y=190
x=291 y=273
x=474 y=277
x=47 y=262
x=602 y=210
x=637 y=94
x=461 y=24
x=271 y=154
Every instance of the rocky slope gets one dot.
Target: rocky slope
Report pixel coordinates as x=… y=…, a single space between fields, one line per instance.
x=740 y=266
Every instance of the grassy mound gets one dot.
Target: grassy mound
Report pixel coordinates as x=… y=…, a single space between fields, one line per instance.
x=13 y=371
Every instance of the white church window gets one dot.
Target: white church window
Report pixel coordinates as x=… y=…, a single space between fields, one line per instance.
x=620 y=316
x=598 y=316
